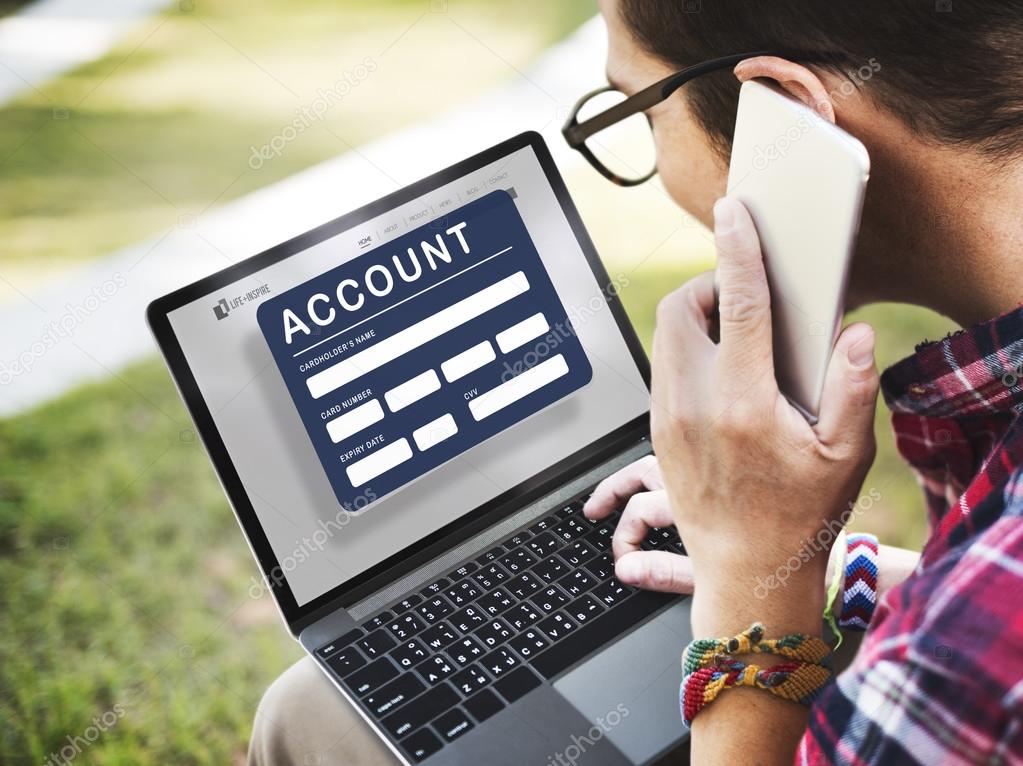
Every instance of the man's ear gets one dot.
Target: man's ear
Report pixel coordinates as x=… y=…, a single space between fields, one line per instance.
x=796 y=79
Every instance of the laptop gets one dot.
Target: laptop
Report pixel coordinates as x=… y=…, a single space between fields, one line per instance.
x=407 y=408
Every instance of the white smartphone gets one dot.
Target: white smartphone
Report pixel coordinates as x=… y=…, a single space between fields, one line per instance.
x=802 y=179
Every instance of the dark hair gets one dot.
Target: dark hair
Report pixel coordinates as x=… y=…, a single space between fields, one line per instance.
x=950 y=69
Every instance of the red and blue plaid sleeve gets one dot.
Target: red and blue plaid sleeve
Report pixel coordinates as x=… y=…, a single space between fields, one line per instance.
x=939 y=676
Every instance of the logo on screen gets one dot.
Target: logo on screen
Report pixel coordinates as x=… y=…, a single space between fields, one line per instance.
x=221 y=310
x=225 y=306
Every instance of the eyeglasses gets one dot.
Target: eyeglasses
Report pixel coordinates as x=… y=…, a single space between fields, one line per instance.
x=625 y=153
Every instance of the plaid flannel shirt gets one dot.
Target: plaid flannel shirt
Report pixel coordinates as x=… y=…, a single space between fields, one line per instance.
x=939 y=676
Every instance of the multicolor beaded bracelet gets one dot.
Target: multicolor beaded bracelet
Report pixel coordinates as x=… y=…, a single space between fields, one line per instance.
x=859 y=596
x=800 y=682
x=797 y=646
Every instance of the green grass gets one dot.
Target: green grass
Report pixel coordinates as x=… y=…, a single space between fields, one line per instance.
x=163 y=126
x=125 y=583
x=126 y=578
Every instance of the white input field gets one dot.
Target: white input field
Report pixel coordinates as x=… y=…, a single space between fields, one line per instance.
x=522 y=385
x=434 y=432
x=521 y=333
x=411 y=391
x=349 y=424
x=469 y=360
x=414 y=336
x=381 y=461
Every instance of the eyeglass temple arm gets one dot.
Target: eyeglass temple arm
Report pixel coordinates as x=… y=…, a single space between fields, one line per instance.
x=576 y=132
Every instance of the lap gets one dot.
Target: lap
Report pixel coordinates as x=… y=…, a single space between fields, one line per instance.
x=303 y=719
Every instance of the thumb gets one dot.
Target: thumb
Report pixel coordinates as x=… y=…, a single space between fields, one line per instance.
x=850 y=391
x=656 y=570
x=744 y=303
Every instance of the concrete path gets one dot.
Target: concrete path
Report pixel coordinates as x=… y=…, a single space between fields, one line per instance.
x=91 y=323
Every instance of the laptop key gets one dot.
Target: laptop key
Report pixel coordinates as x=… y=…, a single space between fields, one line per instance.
x=521 y=616
x=543 y=545
x=470 y=680
x=494 y=632
x=339 y=642
x=523 y=586
x=468 y=619
x=490 y=576
x=611 y=592
x=421 y=745
x=500 y=661
x=599 y=539
x=405 y=626
x=466 y=651
x=495 y=602
x=391 y=696
x=464 y=571
x=346 y=661
x=550 y=569
x=435 y=669
x=517 y=683
x=376 y=643
x=453 y=724
x=602 y=567
x=410 y=653
x=371 y=677
x=490 y=556
x=557 y=626
x=584 y=609
x=408 y=603
x=658 y=538
x=543 y=525
x=577 y=583
x=435 y=587
x=518 y=561
x=419 y=711
x=483 y=705
x=578 y=553
x=569 y=530
x=550 y=599
x=439 y=636
x=517 y=539
x=377 y=622
x=462 y=593
x=434 y=609
x=529 y=643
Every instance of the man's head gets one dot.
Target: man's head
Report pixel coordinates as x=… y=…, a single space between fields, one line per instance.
x=915 y=80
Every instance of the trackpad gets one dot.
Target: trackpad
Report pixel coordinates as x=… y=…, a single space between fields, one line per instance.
x=630 y=690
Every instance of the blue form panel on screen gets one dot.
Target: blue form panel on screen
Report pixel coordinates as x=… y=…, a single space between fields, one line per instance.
x=419 y=349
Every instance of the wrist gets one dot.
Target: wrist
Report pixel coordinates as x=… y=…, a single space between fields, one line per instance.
x=785 y=597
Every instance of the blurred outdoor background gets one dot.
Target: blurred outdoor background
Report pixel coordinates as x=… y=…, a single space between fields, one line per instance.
x=127 y=136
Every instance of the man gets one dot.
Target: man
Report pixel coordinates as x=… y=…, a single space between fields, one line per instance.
x=939 y=677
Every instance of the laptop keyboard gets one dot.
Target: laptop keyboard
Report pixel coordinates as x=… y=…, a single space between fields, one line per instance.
x=439 y=662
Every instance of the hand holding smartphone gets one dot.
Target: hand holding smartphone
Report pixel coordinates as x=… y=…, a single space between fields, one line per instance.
x=802 y=179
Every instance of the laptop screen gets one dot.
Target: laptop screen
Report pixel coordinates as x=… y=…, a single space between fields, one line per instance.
x=383 y=382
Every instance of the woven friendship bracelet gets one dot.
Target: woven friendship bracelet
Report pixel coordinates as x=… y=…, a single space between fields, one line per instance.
x=859 y=596
x=800 y=682
x=704 y=652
